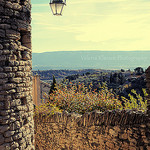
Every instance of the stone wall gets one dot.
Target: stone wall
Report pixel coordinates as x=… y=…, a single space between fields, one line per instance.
x=16 y=106
x=114 y=130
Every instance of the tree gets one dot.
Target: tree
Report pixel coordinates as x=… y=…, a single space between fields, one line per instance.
x=53 y=86
x=139 y=71
x=122 y=70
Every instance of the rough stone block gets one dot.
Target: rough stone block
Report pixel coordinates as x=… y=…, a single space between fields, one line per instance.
x=1 y=69
x=5 y=146
x=18 y=102
x=1 y=139
x=23 y=145
x=15 y=69
x=8 y=12
x=5 y=26
x=15 y=125
x=8 y=140
x=10 y=75
x=3 y=129
x=9 y=133
x=1 y=8
x=9 y=86
x=2 y=58
x=13 y=46
x=3 y=81
x=4 y=112
x=2 y=33
x=19 y=74
x=2 y=105
x=6 y=52
x=8 y=4
x=8 y=69
x=12 y=34
x=17 y=136
x=16 y=80
x=3 y=75
x=17 y=7
x=14 y=145
x=26 y=55
x=1 y=46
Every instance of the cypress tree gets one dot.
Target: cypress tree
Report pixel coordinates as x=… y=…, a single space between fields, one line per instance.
x=53 y=86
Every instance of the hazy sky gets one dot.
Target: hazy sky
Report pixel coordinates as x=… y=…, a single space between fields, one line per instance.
x=91 y=25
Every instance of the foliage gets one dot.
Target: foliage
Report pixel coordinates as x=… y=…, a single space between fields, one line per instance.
x=46 y=109
x=137 y=102
x=139 y=70
x=80 y=99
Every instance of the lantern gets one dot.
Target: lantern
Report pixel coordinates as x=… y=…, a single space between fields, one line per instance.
x=57 y=6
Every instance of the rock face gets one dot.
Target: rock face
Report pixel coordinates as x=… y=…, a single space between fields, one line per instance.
x=16 y=106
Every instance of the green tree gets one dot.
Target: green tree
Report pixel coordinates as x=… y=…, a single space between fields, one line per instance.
x=139 y=71
x=53 y=86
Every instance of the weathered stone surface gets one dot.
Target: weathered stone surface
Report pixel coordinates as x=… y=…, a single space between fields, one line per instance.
x=8 y=4
x=13 y=46
x=2 y=105
x=3 y=129
x=14 y=145
x=1 y=139
x=3 y=75
x=15 y=125
x=8 y=69
x=17 y=136
x=2 y=58
x=93 y=135
x=14 y=95
x=9 y=133
x=2 y=33
x=16 y=80
x=26 y=55
x=1 y=69
x=9 y=86
x=5 y=146
x=12 y=34
x=16 y=6
x=8 y=140
x=1 y=46
x=112 y=132
x=3 y=81
x=5 y=26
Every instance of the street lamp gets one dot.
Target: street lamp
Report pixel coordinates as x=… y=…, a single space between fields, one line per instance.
x=57 y=6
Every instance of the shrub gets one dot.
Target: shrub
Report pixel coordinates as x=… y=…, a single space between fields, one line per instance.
x=46 y=109
x=138 y=102
x=80 y=99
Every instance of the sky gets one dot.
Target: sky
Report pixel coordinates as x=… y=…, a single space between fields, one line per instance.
x=106 y=25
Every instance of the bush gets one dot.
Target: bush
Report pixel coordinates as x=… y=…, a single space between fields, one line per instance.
x=138 y=102
x=80 y=99
x=46 y=109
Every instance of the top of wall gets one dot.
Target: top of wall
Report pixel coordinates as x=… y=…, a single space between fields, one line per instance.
x=113 y=118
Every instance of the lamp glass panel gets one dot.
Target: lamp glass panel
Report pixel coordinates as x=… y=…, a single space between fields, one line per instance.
x=53 y=7
x=59 y=8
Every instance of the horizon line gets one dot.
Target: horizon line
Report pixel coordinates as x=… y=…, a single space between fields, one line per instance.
x=95 y=51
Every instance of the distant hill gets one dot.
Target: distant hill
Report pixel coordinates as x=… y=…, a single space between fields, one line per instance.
x=90 y=60
x=47 y=75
